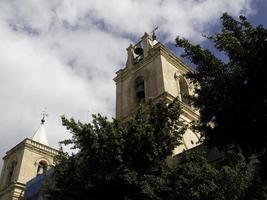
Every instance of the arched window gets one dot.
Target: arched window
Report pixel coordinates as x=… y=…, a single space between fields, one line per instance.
x=184 y=91
x=42 y=167
x=11 y=170
x=139 y=87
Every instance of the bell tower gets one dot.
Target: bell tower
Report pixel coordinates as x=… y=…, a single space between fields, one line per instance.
x=152 y=71
x=26 y=160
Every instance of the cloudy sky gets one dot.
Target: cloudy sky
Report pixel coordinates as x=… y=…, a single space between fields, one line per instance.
x=63 y=54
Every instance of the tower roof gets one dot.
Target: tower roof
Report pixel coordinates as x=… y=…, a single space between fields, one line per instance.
x=40 y=134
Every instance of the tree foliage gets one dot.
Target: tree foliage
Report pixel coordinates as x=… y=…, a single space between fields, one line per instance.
x=118 y=160
x=195 y=178
x=129 y=161
x=232 y=93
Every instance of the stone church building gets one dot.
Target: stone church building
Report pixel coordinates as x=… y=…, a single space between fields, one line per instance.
x=27 y=160
x=152 y=71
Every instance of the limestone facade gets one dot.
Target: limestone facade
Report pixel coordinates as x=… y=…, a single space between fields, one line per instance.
x=152 y=71
x=22 y=163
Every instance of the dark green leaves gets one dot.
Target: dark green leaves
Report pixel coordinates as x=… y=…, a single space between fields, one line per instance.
x=233 y=94
x=118 y=160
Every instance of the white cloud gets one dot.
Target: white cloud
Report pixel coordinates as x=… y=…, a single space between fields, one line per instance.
x=63 y=54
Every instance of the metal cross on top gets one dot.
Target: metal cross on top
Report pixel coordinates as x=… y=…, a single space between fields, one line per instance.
x=44 y=114
x=154 y=37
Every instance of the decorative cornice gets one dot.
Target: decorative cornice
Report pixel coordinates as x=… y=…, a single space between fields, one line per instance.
x=33 y=145
x=187 y=110
x=11 y=187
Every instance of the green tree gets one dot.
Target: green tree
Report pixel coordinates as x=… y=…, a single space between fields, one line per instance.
x=232 y=93
x=193 y=177
x=129 y=161
x=118 y=160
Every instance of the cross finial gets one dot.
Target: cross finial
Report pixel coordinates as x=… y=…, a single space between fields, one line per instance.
x=154 y=37
x=44 y=115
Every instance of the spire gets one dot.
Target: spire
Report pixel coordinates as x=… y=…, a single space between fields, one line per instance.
x=40 y=134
